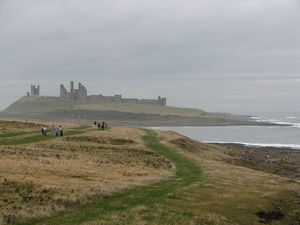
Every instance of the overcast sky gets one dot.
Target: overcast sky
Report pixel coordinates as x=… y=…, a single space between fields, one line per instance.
x=218 y=55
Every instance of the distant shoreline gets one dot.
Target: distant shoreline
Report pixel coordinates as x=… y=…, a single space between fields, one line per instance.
x=204 y=124
x=214 y=125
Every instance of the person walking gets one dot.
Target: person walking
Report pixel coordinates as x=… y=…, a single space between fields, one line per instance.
x=56 y=131
x=61 y=131
x=103 y=124
x=45 y=131
x=99 y=125
x=52 y=128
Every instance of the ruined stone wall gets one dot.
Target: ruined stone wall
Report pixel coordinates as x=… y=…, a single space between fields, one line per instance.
x=130 y=100
x=158 y=101
x=149 y=101
x=116 y=98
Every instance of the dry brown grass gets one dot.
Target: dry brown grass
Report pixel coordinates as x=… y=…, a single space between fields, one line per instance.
x=38 y=179
x=229 y=194
x=235 y=192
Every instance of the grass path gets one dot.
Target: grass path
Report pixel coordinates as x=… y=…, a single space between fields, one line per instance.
x=187 y=173
x=15 y=134
x=39 y=137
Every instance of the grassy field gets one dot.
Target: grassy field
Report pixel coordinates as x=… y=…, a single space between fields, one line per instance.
x=60 y=174
x=134 y=176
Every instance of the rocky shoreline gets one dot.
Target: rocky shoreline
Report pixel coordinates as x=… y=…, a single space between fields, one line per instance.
x=281 y=161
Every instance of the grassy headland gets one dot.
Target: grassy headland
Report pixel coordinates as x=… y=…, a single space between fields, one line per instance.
x=132 y=176
x=118 y=113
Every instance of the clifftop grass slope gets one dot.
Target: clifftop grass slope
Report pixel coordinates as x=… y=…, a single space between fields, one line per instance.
x=128 y=175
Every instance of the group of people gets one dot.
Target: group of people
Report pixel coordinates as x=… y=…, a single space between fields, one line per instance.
x=100 y=125
x=58 y=131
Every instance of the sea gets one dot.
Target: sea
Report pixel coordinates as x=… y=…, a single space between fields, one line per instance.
x=277 y=136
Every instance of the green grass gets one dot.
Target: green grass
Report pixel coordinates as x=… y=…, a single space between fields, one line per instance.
x=38 y=138
x=186 y=169
x=82 y=127
x=187 y=198
x=187 y=174
x=14 y=134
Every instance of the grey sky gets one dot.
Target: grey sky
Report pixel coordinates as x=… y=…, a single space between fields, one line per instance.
x=217 y=55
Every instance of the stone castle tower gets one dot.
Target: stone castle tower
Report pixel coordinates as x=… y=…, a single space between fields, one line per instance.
x=35 y=91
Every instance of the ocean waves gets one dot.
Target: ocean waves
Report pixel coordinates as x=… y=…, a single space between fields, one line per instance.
x=291 y=146
x=278 y=122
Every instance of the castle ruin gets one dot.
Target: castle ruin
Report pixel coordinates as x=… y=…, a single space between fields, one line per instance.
x=81 y=94
x=35 y=91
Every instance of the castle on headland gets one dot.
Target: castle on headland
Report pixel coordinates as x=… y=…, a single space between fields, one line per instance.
x=35 y=91
x=81 y=94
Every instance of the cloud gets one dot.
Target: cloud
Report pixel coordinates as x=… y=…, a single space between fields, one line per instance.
x=119 y=43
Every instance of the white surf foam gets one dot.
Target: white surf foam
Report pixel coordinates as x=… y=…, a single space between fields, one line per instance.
x=292 y=146
x=276 y=121
x=154 y=128
x=297 y=125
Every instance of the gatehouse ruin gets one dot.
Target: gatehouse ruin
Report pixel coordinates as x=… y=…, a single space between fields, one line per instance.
x=74 y=94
